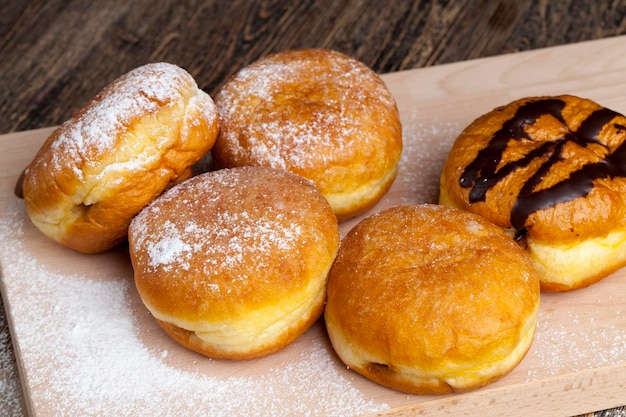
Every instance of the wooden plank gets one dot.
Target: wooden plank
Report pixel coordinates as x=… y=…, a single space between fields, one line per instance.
x=55 y=56
x=85 y=344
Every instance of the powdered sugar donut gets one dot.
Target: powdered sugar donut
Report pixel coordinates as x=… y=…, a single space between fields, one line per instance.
x=233 y=263
x=319 y=114
x=138 y=136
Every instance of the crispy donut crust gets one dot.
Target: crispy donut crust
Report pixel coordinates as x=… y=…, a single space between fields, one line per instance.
x=430 y=299
x=319 y=114
x=551 y=170
x=141 y=134
x=234 y=263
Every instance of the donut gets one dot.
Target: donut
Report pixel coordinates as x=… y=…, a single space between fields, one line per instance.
x=550 y=170
x=233 y=263
x=428 y=299
x=139 y=135
x=319 y=114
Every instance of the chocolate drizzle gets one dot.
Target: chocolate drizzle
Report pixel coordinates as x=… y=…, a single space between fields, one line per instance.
x=483 y=173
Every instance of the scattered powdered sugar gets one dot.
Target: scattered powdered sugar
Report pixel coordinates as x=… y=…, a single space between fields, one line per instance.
x=425 y=149
x=569 y=339
x=83 y=355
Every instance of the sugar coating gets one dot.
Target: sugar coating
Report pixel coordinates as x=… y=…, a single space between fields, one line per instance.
x=170 y=249
x=345 y=94
x=234 y=233
x=142 y=91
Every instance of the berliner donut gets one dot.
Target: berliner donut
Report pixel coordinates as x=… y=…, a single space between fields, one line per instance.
x=319 y=114
x=430 y=299
x=552 y=171
x=139 y=135
x=233 y=263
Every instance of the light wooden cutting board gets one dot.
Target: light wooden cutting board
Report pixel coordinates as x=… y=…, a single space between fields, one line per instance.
x=86 y=346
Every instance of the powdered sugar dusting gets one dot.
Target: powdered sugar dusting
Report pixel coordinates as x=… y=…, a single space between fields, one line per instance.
x=93 y=362
x=141 y=91
x=170 y=249
x=228 y=233
x=426 y=147
x=572 y=339
x=334 y=96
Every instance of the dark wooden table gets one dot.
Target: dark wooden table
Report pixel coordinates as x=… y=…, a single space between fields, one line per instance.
x=55 y=54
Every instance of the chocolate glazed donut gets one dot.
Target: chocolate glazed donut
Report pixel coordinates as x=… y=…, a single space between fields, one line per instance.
x=551 y=170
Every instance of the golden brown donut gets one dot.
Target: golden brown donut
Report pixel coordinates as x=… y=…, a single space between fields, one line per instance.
x=319 y=114
x=429 y=299
x=139 y=135
x=234 y=263
x=552 y=171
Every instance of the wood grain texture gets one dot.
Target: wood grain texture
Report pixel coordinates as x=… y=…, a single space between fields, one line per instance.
x=58 y=54
x=55 y=55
